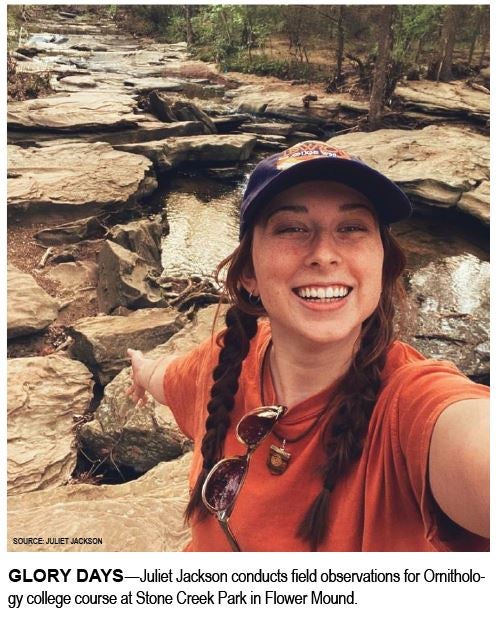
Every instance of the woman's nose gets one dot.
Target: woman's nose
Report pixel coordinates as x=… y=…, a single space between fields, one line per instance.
x=323 y=250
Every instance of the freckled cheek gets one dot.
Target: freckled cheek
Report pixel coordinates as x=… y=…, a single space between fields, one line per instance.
x=273 y=277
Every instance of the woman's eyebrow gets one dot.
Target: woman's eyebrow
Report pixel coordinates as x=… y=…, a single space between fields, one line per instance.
x=355 y=206
x=348 y=207
x=287 y=208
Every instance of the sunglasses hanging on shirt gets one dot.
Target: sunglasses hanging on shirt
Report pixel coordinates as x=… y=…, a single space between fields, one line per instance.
x=223 y=483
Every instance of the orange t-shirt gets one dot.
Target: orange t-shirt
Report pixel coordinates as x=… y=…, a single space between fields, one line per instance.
x=383 y=503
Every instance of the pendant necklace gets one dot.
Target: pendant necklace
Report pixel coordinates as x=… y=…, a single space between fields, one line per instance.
x=278 y=457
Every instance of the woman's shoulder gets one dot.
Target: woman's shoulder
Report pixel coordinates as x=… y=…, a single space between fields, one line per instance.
x=403 y=359
x=408 y=371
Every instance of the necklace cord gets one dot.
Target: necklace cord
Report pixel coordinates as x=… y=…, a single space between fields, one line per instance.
x=262 y=394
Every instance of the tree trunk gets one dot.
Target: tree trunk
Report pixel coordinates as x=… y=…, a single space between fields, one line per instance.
x=450 y=21
x=420 y=49
x=485 y=37
x=475 y=34
x=381 y=67
x=340 y=44
x=188 y=22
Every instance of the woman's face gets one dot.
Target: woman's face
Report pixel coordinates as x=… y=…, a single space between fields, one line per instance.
x=317 y=256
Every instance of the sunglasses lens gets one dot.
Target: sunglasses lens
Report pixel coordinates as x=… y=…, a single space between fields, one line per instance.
x=222 y=488
x=253 y=428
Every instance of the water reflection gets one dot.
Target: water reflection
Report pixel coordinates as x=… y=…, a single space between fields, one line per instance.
x=449 y=316
x=203 y=218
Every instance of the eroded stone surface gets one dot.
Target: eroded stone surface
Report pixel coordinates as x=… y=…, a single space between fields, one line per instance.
x=142 y=515
x=148 y=128
x=444 y=98
x=141 y=237
x=123 y=280
x=435 y=166
x=44 y=395
x=29 y=308
x=202 y=149
x=68 y=178
x=72 y=112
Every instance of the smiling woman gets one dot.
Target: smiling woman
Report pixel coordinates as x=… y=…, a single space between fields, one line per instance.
x=372 y=447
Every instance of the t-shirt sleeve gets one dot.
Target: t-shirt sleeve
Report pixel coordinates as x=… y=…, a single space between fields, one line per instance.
x=428 y=388
x=185 y=382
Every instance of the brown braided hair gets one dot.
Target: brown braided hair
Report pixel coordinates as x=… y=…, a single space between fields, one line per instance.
x=353 y=400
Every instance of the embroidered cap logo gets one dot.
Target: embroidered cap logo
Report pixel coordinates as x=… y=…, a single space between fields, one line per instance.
x=307 y=151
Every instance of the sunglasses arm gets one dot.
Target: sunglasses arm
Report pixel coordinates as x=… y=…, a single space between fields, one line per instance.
x=223 y=520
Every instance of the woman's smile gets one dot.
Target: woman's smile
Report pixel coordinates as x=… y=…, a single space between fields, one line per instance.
x=319 y=294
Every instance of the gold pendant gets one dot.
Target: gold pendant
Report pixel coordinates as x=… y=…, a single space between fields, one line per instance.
x=278 y=459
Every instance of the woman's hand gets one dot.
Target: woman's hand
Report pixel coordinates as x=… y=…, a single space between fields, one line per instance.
x=140 y=375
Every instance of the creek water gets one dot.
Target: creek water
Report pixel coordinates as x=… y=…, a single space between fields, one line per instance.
x=203 y=219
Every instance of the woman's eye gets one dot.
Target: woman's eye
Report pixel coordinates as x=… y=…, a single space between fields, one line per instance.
x=352 y=228
x=291 y=229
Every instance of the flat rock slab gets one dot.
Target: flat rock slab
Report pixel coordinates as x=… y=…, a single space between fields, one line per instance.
x=450 y=312
x=269 y=128
x=227 y=124
x=73 y=112
x=75 y=178
x=148 y=129
x=78 y=81
x=448 y=99
x=142 y=437
x=139 y=516
x=436 y=166
x=202 y=149
x=163 y=84
x=29 y=308
x=44 y=395
x=101 y=342
x=277 y=101
x=68 y=233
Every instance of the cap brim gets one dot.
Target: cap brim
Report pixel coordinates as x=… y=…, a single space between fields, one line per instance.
x=389 y=201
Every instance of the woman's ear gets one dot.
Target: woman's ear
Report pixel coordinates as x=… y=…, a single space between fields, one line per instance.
x=249 y=282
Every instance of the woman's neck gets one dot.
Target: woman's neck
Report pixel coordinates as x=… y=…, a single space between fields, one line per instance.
x=299 y=372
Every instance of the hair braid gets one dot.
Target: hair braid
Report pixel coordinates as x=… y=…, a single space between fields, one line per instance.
x=241 y=328
x=343 y=438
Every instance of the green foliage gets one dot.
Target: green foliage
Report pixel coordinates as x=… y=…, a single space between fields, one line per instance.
x=262 y=64
x=415 y=22
x=226 y=30
x=148 y=19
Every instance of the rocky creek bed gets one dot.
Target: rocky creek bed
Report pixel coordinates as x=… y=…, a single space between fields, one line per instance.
x=114 y=182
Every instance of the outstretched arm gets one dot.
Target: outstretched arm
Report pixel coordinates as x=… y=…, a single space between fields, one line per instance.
x=147 y=377
x=459 y=464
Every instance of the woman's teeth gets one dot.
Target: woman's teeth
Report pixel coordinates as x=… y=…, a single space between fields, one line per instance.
x=323 y=293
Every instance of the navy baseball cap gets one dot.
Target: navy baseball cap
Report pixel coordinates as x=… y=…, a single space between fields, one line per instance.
x=315 y=160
